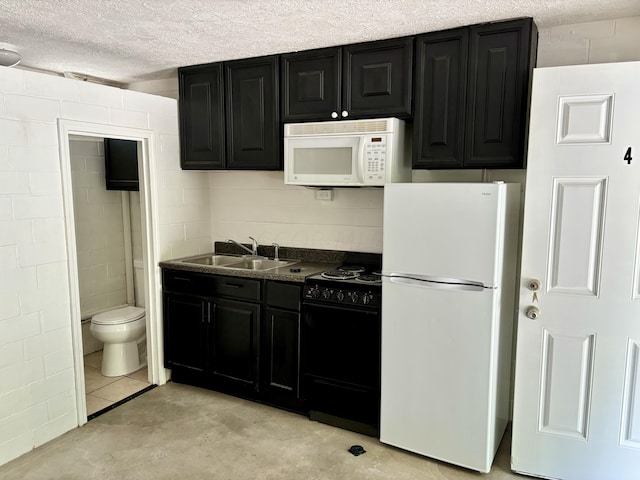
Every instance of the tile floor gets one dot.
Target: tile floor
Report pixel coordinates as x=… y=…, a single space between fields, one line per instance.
x=103 y=391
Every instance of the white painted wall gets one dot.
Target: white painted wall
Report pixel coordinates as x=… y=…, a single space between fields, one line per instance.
x=99 y=231
x=37 y=390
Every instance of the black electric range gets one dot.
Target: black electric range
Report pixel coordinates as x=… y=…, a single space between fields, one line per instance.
x=341 y=344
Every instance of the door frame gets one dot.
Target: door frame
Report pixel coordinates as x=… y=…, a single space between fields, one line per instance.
x=147 y=139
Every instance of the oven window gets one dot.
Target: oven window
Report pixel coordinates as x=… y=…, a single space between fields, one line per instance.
x=323 y=160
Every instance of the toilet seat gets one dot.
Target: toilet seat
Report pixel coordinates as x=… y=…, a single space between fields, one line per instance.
x=118 y=316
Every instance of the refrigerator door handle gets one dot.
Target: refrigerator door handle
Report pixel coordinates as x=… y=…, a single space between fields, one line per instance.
x=436 y=281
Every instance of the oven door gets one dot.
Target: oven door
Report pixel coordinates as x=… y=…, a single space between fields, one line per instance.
x=341 y=366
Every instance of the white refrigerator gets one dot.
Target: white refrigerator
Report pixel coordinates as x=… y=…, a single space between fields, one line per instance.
x=448 y=305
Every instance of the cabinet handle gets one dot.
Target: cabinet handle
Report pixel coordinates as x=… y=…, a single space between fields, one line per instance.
x=334 y=114
x=345 y=114
x=182 y=279
x=233 y=285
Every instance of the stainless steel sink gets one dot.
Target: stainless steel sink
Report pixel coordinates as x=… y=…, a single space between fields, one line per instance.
x=213 y=260
x=230 y=261
x=260 y=264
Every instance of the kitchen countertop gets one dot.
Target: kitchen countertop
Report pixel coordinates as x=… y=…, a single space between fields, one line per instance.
x=278 y=273
x=310 y=262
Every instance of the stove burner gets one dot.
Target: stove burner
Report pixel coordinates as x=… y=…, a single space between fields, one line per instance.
x=351 y=268
x=340 y=274
x=369 y=278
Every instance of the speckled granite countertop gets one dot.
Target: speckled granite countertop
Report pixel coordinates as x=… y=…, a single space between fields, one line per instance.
x=310 y=262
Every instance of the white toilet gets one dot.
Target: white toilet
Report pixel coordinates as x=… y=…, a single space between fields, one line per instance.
x=121 y=330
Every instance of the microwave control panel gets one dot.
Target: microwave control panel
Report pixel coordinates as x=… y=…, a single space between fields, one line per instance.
x=375 y=156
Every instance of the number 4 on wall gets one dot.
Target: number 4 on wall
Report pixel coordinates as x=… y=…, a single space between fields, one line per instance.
x=627 y=156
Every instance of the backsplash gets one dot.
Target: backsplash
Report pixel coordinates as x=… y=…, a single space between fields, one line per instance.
x=259 y=204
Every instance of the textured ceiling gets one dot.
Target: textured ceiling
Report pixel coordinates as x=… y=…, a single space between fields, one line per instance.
x=132 y=40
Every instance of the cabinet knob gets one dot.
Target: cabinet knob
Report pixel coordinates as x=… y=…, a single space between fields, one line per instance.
x=345 y=114
x=334 y=114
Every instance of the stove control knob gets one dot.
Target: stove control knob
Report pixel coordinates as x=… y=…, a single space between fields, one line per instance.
x=354 y=297
x=340 y=296
x=367 y=299
x=326 y=294
x=315 y=293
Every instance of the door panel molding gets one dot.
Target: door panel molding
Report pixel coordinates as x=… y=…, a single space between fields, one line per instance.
x=630 y=425
x=585 y=119
x=565 y=393
x=577 y=225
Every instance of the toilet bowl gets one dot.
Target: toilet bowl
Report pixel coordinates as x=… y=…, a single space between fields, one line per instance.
x=121 y=330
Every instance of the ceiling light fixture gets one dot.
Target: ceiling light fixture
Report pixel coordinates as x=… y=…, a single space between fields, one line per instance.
x=9 y=57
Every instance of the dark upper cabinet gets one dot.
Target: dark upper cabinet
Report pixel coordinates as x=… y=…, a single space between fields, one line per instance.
x=253 y=114
x=441 y=78
x=311 y=84
x=229 y=115
x=472 y=96
x=501 y=60
x=202 y=125
x=362 y=80
x=378 y=78
x=121 y=164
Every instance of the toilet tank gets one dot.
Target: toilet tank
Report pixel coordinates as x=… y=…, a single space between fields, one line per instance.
x=139 y=279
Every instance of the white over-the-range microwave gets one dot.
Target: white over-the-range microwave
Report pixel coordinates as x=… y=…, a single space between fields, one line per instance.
x=347 y=153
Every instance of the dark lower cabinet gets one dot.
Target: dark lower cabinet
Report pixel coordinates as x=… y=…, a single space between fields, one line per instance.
x=211 y=330
x=227 y=334
x=280 y=379
x=185 y=332
x=234 y=343
x=472 y=94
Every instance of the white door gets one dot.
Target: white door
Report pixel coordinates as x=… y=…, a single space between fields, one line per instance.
x=577 y=389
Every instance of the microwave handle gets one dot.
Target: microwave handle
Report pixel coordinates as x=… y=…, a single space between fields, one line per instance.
x=362 y=161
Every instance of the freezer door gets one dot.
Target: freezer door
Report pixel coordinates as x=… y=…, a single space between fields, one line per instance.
x=447 y=229
x=438 y=390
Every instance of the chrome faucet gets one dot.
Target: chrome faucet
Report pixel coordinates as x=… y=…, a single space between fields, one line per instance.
x=276 y=247
x=254 y=246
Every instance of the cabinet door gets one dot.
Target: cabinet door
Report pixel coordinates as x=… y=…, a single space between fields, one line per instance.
x=235 y=339
x=440 y=90
x=500 y=64
x=121 y=164
x=202 y=128
x=281 y=343
x=253 y=118
x=378 y=78
x=311 y=85
x=185 y=324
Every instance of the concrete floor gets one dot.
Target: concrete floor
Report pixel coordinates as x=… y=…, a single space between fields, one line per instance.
x=182 y=432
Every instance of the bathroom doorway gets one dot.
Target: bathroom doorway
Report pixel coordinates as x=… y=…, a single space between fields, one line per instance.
x=110 y=235
x=109 y=254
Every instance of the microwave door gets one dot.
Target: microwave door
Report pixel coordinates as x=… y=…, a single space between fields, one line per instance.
x=328 y=160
